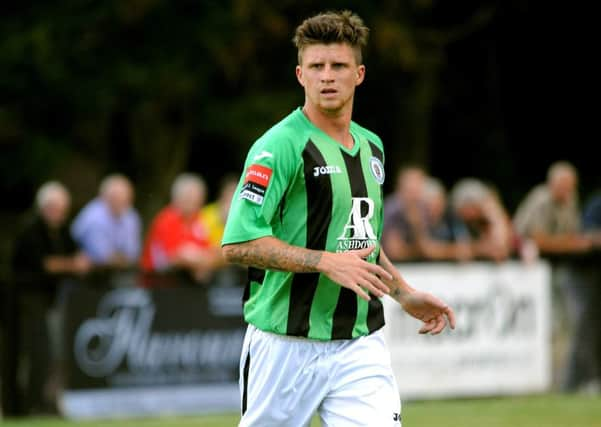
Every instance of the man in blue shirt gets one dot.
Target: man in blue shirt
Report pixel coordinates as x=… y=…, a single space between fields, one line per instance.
x=108 y=228
x=591 y=216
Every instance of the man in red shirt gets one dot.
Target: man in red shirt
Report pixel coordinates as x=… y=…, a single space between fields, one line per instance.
x=178 y=239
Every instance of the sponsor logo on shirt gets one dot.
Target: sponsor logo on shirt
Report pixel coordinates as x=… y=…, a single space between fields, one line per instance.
x=358 y=232
x=326 y=170
x=255 y=183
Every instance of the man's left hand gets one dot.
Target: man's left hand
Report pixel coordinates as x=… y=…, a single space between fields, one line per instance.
x=432 y=311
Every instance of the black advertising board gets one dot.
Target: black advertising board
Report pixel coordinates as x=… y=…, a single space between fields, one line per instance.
x=139 y=352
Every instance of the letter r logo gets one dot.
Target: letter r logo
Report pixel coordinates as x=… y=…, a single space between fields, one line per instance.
x=358 y=225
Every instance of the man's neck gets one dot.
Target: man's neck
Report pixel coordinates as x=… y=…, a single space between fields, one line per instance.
x=336 y=125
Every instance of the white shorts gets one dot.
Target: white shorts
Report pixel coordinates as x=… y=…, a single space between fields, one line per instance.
x=285 y=380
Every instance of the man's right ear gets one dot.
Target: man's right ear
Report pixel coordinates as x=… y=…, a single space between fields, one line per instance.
x=299 y=75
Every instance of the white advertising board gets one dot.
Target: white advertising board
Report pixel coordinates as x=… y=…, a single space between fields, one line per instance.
x=502 y=341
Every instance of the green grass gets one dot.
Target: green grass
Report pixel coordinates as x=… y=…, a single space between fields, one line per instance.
x=541 y=411
x=534 y=411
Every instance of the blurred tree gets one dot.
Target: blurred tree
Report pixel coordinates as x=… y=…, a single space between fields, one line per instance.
x=153 y=87
x=135 y=85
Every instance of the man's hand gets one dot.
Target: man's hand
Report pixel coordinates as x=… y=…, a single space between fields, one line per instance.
x=350 y=270
x=432 y=311
x=423 y=306
x=82 y=264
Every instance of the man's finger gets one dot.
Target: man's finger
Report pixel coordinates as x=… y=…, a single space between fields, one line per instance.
x=375 y=282
x=364 y=253
x=359 y=291
x=379 y=271
x=372 y=287
x=451 y=316
x=440 y=324
x=427 y=327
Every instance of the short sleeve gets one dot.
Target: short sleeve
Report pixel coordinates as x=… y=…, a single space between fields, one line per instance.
x=531 y=215
x=269 y=168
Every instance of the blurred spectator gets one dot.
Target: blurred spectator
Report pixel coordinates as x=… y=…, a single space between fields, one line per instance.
x=549 y=214
x=447 y=237
x=177 y=239
x=214 y=216
x=109 y=228
x=405 y=215
x=487 y=220
x=44 y=255
x=591 y=221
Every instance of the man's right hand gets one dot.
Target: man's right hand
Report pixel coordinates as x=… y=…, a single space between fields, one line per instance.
x=351 y=270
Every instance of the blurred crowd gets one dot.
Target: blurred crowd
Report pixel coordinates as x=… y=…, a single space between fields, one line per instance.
x=424 y=221
x=107 y=233
x=104 y=245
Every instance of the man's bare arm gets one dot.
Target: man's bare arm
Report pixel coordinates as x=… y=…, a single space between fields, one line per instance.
x=273 y=254
x=423 y=306
x=562 y=243
x=348 y=269
x=399 y=288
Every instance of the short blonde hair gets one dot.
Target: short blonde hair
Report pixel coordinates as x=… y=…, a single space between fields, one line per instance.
x=434 y=187
x=469 y=190
x=183 y=180
x=108 y=181
x=560 y=168
x=48 y=191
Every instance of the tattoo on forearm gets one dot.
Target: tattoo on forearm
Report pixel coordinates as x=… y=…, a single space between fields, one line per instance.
x=312 y=259
x=280 y=257
x=396 y=294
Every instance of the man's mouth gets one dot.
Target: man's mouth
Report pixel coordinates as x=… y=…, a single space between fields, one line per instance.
x=328 y=91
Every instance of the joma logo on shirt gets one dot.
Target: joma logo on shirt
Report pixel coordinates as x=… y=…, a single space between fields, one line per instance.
x=326 y=170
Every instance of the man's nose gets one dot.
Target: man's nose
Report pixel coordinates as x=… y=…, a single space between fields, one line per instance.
x=327 y=74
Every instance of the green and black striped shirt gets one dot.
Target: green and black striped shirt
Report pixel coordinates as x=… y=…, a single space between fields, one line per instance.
x=304 y=188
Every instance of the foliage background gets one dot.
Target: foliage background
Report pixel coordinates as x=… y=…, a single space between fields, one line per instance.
x=150 y=88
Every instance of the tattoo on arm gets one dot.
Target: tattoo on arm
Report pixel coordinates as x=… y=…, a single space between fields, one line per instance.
x=274 y=254
x=396 y=293
x=398 y=287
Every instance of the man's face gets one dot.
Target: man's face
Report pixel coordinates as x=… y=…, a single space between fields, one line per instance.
x=470 y=212
x=190 y=200
x=563 y=187
x=56 y=210
x=411 y=185
x=119 y=197
x=436 y=205
x=329 y=73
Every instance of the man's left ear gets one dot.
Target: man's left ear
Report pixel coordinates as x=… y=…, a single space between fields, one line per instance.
x=360 y=74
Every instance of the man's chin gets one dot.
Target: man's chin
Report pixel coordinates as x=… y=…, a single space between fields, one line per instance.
x=331 y=108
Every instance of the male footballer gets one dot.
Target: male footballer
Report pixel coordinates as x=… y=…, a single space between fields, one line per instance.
x=306 y=219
